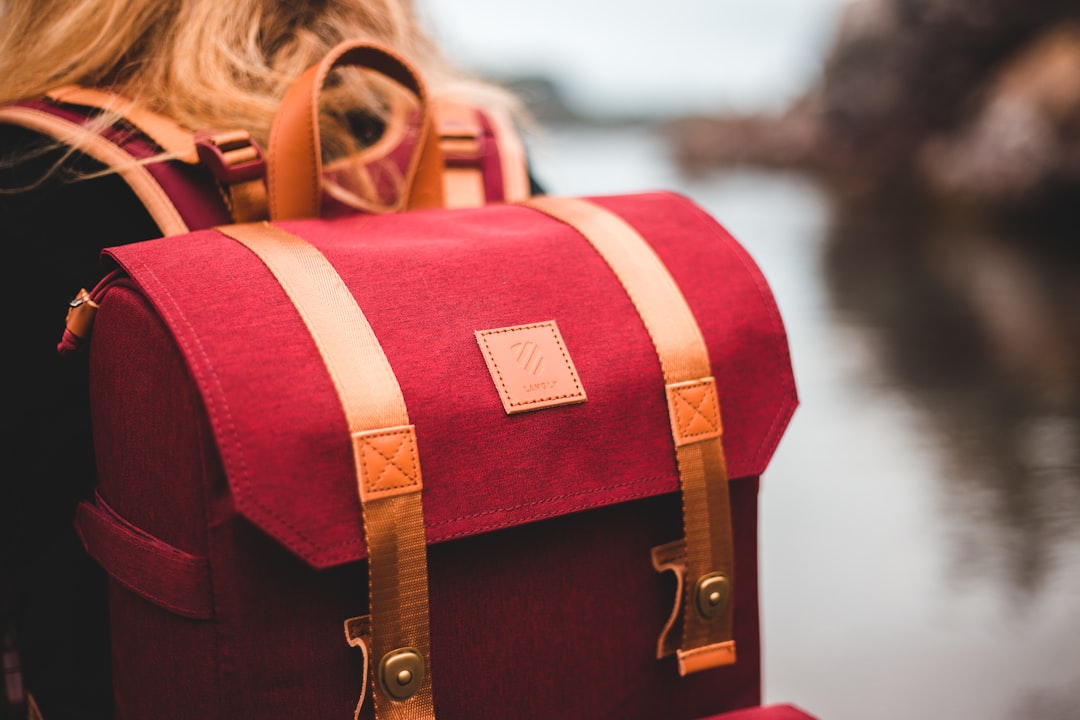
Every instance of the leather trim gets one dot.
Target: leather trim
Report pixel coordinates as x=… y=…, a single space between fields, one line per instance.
x=139 y=179
x=694 y=411
x=463 y=187
x=531 y=367
x=389 y=462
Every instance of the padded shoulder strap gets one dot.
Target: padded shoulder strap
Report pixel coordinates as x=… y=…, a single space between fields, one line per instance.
x=141 y=181
x=171 y=137
x=231 y=156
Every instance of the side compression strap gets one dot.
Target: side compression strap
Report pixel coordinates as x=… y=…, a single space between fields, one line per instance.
x=387 y=465
x=694 y=412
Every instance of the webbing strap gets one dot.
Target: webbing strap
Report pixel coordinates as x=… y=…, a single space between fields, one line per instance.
x=387 y=465
x=695 y=423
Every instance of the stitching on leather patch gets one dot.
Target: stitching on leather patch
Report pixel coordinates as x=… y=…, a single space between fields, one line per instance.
x=695 y=411
x=389 y=462
x=530 y=366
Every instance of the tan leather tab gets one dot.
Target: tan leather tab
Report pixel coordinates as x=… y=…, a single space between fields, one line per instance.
x=671 y=556
x=248 y=201
x=706 y=658
x=389 y=462
x=80 y=314
x=531 y=367
x=694 y=410
x=358 y=635
x=463 y=187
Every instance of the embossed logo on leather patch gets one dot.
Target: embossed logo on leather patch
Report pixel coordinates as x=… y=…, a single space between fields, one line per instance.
x=530 y=366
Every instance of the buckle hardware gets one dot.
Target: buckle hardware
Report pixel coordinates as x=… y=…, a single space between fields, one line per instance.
x=232 y=156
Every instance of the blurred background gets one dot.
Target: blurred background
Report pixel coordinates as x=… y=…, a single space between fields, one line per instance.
x=907 y=175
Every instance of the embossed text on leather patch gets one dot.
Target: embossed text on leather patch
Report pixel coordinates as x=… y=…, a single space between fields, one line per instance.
x=530 y=366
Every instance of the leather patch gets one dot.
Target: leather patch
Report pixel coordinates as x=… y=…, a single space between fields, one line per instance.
x=388 y=461
x=531 y=367
x=694 y=410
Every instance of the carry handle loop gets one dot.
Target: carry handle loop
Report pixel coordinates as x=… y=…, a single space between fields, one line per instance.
x=294 y=160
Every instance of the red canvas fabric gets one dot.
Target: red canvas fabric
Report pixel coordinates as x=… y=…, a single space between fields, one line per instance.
x=219 y=436
x=772 y=712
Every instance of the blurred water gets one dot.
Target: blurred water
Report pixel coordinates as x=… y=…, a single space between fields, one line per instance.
x=921 y=519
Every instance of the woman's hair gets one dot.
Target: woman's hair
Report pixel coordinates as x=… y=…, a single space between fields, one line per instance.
x=218 y=63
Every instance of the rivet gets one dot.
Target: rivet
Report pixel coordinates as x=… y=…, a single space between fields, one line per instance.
x=711 y=595
x=401 y=672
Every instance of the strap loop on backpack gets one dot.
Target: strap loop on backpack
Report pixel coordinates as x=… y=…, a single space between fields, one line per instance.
x=294 y=166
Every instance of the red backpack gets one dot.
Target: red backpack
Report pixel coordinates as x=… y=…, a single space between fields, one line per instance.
x=468 y=461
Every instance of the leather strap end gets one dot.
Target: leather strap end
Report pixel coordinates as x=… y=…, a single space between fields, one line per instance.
x=695 y=411
x=388 y=461
x=706 y=658
x=80 y=315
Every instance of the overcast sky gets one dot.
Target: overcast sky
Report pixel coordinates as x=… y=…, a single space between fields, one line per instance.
x=633 y=56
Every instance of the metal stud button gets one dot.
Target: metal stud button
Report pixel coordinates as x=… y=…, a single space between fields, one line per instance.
x=711 y=595
x=401 y=672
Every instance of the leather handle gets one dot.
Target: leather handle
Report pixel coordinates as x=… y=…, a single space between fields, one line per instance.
x=294 y=161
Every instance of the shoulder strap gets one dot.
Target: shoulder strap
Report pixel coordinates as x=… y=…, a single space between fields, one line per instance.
x=484 y=156
x=138 y=176
x=154 y=158
x=233 y=158
x=483 y=153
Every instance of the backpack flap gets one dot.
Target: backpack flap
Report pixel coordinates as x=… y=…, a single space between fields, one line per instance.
x=427 y=282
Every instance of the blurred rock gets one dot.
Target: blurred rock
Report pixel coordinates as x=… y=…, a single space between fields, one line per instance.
x=973 y=101
x=1024 y=142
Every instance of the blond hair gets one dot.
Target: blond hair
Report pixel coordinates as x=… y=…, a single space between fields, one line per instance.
x=216 y=63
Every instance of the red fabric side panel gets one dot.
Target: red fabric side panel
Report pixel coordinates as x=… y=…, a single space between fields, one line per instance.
x=152 y=442
x=771 y=712
x=161 y=661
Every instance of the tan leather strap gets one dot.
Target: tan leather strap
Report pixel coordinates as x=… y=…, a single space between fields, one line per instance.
x=387 y=464
x=169 y=136
x=460 y=134
x=294 y=164
x=139 y=179
x=694 y=414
